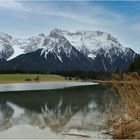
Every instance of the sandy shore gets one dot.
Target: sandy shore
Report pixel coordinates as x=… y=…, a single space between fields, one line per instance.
x=29 y=132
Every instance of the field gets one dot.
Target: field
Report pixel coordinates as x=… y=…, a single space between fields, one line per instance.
x=12 y=78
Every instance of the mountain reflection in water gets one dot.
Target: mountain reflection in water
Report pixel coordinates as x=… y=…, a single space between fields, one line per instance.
x=59 y=109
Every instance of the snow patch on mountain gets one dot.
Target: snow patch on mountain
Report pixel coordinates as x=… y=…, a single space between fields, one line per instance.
x=17 y=51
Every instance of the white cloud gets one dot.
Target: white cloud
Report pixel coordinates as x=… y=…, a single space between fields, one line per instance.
x=13 y=4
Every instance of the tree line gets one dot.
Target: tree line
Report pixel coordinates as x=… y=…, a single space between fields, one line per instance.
x=79 y=74
x=85 y=74
x=135 y=65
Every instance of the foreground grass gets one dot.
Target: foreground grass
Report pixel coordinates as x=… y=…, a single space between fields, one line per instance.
x=7 y=78
x=123 y=119
x=128 y=125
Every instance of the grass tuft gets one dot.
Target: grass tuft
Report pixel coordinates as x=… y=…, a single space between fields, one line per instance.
x=128 y=125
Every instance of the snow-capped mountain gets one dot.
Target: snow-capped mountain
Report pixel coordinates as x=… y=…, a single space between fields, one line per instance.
x=89 y=42
x=22 y=46
x=59 y=46
x=102 y=47
x=64 y=50
x=12 y=47
x=55 y=54
x=6 y=49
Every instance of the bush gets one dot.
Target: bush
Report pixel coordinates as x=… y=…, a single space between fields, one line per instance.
x=69 y=78
x=37 y=78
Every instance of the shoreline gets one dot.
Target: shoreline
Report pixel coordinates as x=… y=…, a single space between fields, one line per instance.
x=92 y=81
x=42 y=81
x=41 y=86
x=22 y=132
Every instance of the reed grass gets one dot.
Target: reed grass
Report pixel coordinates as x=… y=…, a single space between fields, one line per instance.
x=128 y=125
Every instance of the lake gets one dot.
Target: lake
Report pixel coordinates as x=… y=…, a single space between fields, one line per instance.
x=41 y=86
x=61 y=108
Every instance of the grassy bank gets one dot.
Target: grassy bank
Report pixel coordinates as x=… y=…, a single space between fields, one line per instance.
x=9 y=78
x=123 y=119
x=127 y=126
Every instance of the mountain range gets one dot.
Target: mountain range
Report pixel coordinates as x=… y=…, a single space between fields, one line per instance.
x=62 y=50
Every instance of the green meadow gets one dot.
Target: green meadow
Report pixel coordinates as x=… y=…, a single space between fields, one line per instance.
x=29 y=77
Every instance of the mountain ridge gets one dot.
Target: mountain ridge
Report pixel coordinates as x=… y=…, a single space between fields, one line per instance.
x=89 y=50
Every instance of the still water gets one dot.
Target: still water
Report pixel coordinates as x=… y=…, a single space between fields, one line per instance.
x=40 y=86
x=60 y=109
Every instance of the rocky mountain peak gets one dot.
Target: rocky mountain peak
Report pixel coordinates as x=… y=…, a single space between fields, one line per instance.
x=5 y=37
x=41 y=35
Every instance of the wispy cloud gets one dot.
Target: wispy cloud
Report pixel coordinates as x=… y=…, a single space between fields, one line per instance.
x=13 y=5
x=86 y=14
x=92 y=15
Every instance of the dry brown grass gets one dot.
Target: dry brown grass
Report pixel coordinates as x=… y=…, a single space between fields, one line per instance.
x=131 y=77
x=128 y=125
x=127 y=128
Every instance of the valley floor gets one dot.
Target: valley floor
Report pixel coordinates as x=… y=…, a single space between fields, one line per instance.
x=23 y=78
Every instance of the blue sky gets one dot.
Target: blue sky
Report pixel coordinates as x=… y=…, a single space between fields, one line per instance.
x=28 y=18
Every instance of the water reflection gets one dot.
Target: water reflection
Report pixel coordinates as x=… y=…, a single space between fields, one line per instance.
x=60 y=110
